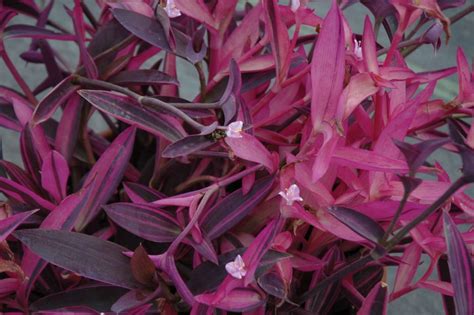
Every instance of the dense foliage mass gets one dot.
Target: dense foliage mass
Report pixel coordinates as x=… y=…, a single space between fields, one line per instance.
x=287 y=185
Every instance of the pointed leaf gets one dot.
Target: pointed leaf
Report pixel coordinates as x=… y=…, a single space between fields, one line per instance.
x=359 y=223
x=34 y=32
x=143 y=77
x=22 y=194
x=9 y=224
x=187 y=145
x=233 y=208
x=54 y=175
x=416 y=154
x=250 y=148
x=376 y=301
x=58 y=95
x=85 y=255
x=106 y=175
x=145 y=221
x=327 y=68
x=460 y=267
x=128 y=110
x=98 y=297
x=148 y=29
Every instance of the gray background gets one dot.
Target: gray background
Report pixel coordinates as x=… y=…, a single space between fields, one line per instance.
x=418 y=302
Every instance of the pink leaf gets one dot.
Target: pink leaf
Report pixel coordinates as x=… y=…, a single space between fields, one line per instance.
x=54 y=175
x=327 y=68
x=9 y=224
x=249 y=148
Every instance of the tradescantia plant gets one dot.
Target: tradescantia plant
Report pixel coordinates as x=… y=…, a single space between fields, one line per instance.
x=288 y=185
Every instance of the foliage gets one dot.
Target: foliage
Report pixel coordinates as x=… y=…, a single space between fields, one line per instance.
x=287 y=185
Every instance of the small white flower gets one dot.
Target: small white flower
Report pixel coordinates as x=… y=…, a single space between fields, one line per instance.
x=295 y=4
x=357 y=49
x=234 y=129
x=291 y=194
x=236 y=268
x=171 y=9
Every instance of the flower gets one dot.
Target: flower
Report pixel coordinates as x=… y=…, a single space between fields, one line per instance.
x=357 y=49
x=236 y=268
x=171 y=9
x=234 y=129
x=291 y=194
x=295 y=4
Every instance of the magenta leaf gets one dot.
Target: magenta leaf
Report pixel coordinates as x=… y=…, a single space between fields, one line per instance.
x=54 y=175
x=280 y=40
x=233 y=208
x=376 y=301
x=327 y=68
x=359 y=223
x=249 y=148
x=147 y=222
x=460 y=267
x=128 y=110
x=97 y=297
x=68 y=128
x=107 y=174
x=18 y=175
x=53 y=100
x=23 y=194
x=34 y=32
x=9 y=224
x=143 y=77
x=78 y=252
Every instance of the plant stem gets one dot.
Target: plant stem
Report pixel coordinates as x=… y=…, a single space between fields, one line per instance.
x=143 y=100
x=396 y=216
x=18 y=78
x=428 y=211
x=202 y=79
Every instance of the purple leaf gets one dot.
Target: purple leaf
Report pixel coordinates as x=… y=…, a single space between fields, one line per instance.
x=128 y=110
x=416 y=154
x=460 y=267
x=54 y=175
x=22 y=194
x=9 y=224
x=273 y=284
x=18 y=175
x=57 y=96
x=107 y=174
x=231 y=96
x=233 y=208
x=143 y=77
x=187 y=145
x=142 y=194
x=63 y=217
x=327 y=68
x=85 y=255
x=359 y=223
x=68 y=128
x=376 y=301
x=147 y=29
x=147 y=222
x=98 y=297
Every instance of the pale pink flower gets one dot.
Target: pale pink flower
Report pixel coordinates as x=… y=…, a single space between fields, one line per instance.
x=295 y=4
x=171 y=9
x=236 y=268
x=291 y=194
x=357 y=49
x=234 y=129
